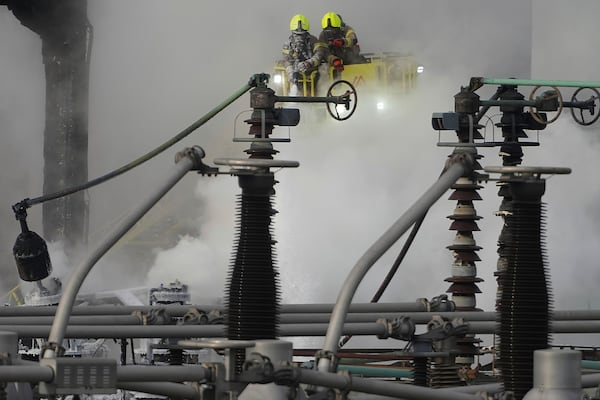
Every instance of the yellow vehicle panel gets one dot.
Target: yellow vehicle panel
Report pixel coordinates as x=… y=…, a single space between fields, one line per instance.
x=385 y=72
x=388 y=72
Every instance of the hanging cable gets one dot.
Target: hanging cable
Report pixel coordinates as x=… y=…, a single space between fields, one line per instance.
x=181 y=135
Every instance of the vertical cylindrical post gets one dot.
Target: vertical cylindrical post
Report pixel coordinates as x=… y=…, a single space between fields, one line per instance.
x=66 y=55
x=66 y=35
x=556 y=375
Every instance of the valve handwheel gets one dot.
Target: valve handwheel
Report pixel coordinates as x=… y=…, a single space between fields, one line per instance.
x=536 y=116
x=346 y=92
x=580 y=119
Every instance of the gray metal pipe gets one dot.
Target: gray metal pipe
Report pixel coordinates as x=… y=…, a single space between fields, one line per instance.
x=377 y=387
x=296 y=315
x=486 y=387
x=489 y=327
x=286 y=330
x=74 y=320
x=575 y=326
x=415 y=306
x=182 y=331
x=26 y=373
x=121 y=331
x=131 y=320
x=169 y=389
x=128 y=373
x=177 y=310
x=557 y=315
x=153 y=373
x=425 y=316
x=359 y=328
x=454 y=171
x=590 y=380
x=416 y=317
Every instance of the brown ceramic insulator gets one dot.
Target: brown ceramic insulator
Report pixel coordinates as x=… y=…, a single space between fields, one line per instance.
x=463 y=288
x=464 y=195
x=466 y=256
x=464 y=225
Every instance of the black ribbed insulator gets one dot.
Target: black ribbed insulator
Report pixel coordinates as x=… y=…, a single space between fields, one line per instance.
x=175 y=356
x=420 y=371
x=524 y=308
x=443 y=375
x=253 y=289
x=511 y=151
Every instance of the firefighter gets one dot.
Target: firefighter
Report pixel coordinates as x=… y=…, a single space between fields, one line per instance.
x=341 y=40
x=302 y=52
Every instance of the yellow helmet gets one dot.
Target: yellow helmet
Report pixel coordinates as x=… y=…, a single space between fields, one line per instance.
x=331 y=19
x=299 y=22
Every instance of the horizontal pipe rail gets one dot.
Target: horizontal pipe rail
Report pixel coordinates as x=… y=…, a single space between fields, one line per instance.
x=92 y=315
x=177 y=310
x=169 y=389
x=153 y=373
x=125 y=373
x=286 y=330
x=74 y=320
x=181 y=331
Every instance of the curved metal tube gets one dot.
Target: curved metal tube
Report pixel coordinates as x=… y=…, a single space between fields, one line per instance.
x=454 y=170
x=184 y=164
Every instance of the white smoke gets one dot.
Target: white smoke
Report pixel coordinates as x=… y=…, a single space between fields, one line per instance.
x=355 y=177
x=157 y=68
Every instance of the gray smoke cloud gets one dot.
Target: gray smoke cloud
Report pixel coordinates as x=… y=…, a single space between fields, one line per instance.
x=157 y=68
